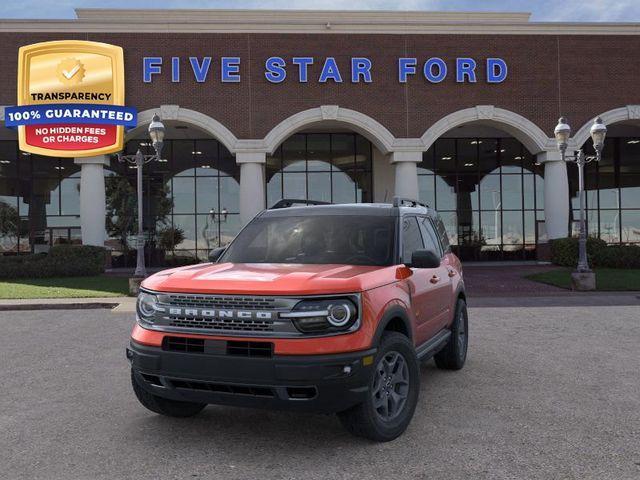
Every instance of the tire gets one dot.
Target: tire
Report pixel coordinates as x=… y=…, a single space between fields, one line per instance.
x=454 y=354
x=164 y=406
x=368 y=419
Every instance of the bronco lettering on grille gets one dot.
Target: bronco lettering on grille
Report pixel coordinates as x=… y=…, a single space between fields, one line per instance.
x=210 y=313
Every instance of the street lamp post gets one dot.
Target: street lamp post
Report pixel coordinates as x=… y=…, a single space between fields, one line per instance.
x=598 y=132
x=156 y=133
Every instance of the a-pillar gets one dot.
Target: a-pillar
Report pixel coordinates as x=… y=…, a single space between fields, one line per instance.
x=556 y=194
x=93 y=208
x=406 y=172
x=252 y=193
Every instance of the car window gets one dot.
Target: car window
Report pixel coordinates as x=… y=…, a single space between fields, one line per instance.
x=315 y=239
x=411 y=238
x=442 y=234
x=429 y=236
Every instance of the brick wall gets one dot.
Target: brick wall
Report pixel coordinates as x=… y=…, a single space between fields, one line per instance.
x=578 y=76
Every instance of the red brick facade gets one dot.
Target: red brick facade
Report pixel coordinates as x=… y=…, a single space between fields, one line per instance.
x=578 y=76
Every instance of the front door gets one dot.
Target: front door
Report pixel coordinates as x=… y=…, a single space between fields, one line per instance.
x=423 y=284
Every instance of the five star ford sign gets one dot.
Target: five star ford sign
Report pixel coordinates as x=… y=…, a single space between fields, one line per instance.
x=70 y=99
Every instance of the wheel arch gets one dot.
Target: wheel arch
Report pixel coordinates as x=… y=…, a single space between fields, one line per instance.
x=395 y=319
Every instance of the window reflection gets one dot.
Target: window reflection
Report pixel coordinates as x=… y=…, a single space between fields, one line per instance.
x=489 y=193
x=328 y=167
x=612 y=191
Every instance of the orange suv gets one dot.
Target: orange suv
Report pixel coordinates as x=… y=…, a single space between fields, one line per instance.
x=317 y=308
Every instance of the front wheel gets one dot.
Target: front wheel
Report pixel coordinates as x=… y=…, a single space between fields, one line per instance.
x=393 y=392
x=454 y=354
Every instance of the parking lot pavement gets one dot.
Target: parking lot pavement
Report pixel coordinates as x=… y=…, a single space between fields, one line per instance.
x=551 y=392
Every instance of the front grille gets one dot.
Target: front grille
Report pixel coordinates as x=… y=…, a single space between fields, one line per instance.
x=222 y=324
x=222 y=302
x=250 y=349
x=252 y=390
x=183 y=344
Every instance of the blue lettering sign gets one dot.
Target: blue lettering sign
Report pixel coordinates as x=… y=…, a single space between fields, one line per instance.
x=303 y=65
x=330 y=71
x=428 y=70
x=360 y=67
x=230 y=69
x=175 y=69
x=406 y=66
x=151 y=66
x=200 y=71
x=275 y=69
x=496 y=70
x=465 y=67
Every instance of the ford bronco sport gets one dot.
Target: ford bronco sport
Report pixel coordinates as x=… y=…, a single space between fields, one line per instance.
x=320 y=308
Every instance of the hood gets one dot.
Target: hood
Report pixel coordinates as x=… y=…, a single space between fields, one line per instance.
x=270 y=279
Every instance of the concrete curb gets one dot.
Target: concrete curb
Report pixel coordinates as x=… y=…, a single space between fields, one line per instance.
x=56 y=306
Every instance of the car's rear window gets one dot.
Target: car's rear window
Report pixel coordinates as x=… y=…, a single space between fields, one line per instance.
x=341 y=239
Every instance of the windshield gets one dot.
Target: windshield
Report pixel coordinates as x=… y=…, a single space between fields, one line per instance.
x=342 y=239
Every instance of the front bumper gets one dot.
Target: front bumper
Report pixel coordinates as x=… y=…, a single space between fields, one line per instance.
x=313 y=383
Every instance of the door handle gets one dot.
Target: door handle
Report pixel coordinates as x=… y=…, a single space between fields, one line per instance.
x=435 y=279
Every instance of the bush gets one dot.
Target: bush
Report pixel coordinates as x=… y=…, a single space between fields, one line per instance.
x=564 y=252
x=61 y=261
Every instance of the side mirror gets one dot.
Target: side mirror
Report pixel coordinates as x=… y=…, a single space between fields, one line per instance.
x=424 y=259
x=216 y=253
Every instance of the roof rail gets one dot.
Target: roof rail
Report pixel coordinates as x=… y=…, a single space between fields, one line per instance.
x=292 y=202
x=400 y=201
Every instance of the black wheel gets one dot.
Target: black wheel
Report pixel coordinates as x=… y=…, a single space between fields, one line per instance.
x=454 y=354
x=393 y=392
x=164 y=406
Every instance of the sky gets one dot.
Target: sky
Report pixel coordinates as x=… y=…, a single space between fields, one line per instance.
x=542 y=10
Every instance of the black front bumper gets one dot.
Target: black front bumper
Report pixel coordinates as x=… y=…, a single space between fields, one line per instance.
x=314 y=383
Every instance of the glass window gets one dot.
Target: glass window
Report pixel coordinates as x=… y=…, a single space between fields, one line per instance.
x=184 y=199
x=630 y=226
x=411 y=238
x=318 y=151
x=429 y=236
x=316 y=239
x=328 y=167
x=207 y=194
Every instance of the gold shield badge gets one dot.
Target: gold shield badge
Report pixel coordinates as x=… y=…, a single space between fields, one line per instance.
x=70 y=86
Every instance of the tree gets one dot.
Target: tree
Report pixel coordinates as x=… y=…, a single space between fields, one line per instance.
x=122 y=208
x=9 y=222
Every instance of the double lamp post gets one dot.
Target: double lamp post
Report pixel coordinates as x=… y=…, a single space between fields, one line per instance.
x=583 y=278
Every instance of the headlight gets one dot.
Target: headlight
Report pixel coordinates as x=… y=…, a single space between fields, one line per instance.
x=323 y=315
x=146 y=305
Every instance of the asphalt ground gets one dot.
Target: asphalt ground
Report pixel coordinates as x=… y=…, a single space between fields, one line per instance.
x=547 y=393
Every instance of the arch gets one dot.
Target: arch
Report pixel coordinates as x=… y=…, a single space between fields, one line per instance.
x=527 y=132
x=622 y=114
x=382 y=138
x=197 y=119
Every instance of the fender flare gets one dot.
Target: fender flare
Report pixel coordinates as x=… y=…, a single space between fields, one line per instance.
x=394 y=311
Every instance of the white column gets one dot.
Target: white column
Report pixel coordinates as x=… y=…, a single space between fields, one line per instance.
x=252 y=193
x=406 y=169
x=93 y=209
x=556 y=194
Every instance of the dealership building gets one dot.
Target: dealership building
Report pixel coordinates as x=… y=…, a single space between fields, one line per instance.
x=456 y=109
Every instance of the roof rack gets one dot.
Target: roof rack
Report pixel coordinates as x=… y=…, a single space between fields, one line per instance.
x=292 y=202
x=401 y=201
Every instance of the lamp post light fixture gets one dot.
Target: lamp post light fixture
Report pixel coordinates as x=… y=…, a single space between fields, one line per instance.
x=562 y=133
x=156 y=133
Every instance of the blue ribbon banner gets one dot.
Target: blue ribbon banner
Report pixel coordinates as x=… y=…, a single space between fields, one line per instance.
x=70 y=113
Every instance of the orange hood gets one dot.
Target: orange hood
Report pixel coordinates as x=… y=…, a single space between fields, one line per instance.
x=270 y=279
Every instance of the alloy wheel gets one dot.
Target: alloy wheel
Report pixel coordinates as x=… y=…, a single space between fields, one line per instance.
x=390 y=385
